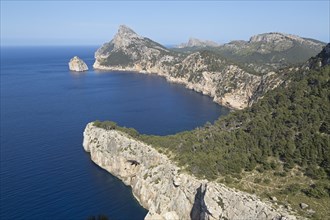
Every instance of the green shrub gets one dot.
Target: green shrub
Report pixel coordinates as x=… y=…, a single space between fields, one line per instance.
x=292 y=189
x=319 y=190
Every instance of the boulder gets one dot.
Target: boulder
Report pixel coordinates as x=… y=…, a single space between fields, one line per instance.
x=303 y=205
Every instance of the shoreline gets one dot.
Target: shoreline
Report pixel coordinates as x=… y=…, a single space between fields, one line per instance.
x=188 y=85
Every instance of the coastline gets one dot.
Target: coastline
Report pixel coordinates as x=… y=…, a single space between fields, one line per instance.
x=231 y=102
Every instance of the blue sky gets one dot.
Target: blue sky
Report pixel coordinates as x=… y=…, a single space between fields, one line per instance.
x=167 y=22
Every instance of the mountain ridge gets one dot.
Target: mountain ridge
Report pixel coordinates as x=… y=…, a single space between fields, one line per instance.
x=218 y=73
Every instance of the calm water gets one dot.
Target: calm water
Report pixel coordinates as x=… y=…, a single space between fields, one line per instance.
x=44 y=108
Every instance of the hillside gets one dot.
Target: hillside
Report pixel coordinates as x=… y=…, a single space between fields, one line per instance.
x=271 y=51
x=278 y=147
x=264 y=52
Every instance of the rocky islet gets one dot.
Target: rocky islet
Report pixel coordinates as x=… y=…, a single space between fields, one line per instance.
x=77 y=65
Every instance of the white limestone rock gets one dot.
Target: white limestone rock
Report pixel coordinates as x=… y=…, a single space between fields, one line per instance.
x=78 y=65
x=303 y=205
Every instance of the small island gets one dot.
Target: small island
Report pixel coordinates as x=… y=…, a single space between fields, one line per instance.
x=78 y=65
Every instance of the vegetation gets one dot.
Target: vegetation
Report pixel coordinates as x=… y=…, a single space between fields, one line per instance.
x=249 y=57
x=117 y=58
x=282 y=141
x=290 y=124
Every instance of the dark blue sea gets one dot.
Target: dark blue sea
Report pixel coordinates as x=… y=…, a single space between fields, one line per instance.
x=45 y=173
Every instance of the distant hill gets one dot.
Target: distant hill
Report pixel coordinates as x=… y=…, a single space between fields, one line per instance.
x=271 y=51
x=193 y=42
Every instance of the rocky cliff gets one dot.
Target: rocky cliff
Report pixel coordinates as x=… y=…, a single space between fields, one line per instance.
x=77 y=64
x=160 y=187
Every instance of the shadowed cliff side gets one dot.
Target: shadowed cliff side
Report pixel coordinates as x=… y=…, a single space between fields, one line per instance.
x=199 y=210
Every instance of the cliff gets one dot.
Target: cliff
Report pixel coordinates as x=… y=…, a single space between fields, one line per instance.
x=230 y=82
x=77 y=64
x=160 y=187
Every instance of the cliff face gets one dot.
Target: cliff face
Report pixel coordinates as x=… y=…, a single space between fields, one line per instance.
x=202 y=71
x=77 y=64
x=160 y=187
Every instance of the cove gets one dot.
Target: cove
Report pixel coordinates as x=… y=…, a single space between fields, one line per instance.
x=44 y=109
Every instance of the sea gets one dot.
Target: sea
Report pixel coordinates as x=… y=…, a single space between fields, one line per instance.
x=44 y=172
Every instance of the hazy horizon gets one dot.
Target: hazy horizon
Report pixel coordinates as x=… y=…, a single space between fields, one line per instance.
x=80 y=23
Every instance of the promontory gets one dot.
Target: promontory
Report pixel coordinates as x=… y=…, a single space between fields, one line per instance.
x=236 y=74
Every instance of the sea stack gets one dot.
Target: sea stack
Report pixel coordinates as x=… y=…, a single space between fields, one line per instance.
x=78 y=65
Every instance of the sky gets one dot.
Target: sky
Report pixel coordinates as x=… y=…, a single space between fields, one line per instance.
x=167 y=22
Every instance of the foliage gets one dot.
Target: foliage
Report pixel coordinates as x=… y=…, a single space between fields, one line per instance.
x=318 y=190
x=110 y=125
x=249 y=57
x=107 y=125
x=289 y=123
x=117 y=58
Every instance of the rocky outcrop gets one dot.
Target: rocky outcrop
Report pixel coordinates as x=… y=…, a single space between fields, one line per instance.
x=78 y=65
x=162 y=188
x=193 y=42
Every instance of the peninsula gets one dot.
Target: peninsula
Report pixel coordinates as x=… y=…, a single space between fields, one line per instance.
x=236 y=74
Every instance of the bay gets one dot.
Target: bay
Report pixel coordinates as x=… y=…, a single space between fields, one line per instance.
x=44 y=171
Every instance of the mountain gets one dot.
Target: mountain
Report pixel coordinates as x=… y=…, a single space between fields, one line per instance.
x=193 y=42
x=271 y=51
x=129 y=50
x=230 y=82
x=235 y=74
